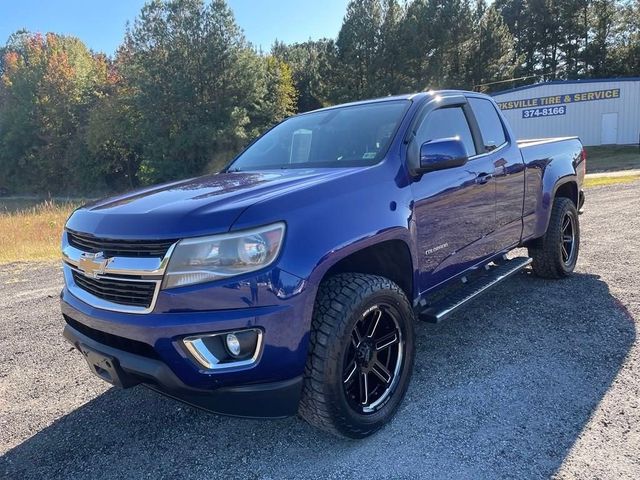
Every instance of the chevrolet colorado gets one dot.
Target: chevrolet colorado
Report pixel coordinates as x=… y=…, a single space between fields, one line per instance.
x=289 y=282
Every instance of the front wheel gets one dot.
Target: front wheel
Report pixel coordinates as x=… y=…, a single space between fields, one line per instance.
x=361 y=355
x=555 y=255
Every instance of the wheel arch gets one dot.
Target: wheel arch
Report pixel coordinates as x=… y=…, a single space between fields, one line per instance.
x=565 y=187
x=390 y=259
x=389 y=255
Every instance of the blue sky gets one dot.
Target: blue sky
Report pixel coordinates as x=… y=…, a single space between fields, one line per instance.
x=101 y=23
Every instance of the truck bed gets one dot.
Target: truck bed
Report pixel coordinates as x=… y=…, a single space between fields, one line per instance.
x=552 y=150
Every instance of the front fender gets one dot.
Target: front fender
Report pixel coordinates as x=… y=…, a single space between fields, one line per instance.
x=334 y=256
x=332 y=220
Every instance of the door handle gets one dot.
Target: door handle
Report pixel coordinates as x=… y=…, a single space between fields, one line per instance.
x=483 y=178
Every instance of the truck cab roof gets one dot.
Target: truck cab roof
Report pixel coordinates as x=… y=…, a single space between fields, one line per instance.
x=407 y=96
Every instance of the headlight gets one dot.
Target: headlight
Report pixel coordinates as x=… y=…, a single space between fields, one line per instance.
x=203 y=259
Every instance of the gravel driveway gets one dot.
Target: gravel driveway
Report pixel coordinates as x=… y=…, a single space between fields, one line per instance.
x=538 y=378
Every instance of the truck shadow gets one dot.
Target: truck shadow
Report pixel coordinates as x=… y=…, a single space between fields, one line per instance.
x=502 y=389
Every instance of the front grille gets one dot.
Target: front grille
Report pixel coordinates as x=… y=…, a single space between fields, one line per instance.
x=123 y=292
x=121 y=343
x=119 y=248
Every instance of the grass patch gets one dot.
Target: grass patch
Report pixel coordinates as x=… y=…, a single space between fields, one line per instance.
x=612 y=158
x=601 y=181
x=33 y=233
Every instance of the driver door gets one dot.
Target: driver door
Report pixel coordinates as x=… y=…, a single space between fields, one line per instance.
x=454 y=210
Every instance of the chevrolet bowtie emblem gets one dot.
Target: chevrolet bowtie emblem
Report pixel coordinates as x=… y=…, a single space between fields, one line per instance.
x=93 y=264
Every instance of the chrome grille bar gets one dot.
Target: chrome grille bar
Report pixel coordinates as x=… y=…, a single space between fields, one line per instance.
x=121 y=283
x=119 y=248
x=119 y=291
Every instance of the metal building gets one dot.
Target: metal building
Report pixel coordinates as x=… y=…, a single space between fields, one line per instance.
x=600 y=112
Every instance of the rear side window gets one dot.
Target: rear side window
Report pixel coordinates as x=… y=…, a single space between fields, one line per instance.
x=489 y=122
x=447 y=123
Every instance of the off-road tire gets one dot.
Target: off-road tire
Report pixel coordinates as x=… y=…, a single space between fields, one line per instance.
x=547 y=251
x=340 y=303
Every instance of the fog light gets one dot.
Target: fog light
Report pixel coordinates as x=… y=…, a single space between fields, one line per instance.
x=233 y=344
x=239 y=348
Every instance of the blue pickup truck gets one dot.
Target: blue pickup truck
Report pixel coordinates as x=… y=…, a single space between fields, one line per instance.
x=290 y=281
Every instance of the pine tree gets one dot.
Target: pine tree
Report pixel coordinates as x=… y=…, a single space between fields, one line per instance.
x=603 y=15
x=355 y=65
x=489 y=53
x=391 y=57
x=199 y=89
x=309 y=62
x=434 y=34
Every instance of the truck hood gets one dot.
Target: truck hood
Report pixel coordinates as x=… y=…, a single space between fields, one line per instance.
x=199 y=206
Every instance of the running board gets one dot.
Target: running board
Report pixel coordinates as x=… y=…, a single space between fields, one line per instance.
x=443 y=308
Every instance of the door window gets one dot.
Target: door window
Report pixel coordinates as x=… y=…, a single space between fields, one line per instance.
x=489 y=122
x=446 y=123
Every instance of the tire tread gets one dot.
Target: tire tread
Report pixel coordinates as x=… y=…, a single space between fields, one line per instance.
x=338 y=297
x=546 y=253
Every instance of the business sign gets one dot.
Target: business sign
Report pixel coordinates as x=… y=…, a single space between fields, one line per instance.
x=538 y=102
x=544 y=112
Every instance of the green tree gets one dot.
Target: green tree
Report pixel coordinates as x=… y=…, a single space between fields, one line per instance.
x=603 y=19
x=515 y=15
x=489 y=54
x=279 y=96
x=48 y=85
x=614 y=38
x=113 y=136
x=575 y=28
x=571 y=38
x=355 y=74
x=392 y=78
x=435 y=33
x=310 y=67
x=628 y=39
x=200 y=91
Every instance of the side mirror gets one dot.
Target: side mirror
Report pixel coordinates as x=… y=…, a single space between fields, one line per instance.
x=442 y=153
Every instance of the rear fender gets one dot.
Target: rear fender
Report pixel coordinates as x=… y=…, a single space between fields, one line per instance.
x=554 y=177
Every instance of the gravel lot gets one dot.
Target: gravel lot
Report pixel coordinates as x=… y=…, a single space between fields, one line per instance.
x=536 y=379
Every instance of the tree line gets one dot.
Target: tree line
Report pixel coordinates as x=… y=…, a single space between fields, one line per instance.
x=186 y=91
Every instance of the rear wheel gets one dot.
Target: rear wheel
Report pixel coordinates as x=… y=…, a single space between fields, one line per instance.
x=555 y=255
x=361 y=355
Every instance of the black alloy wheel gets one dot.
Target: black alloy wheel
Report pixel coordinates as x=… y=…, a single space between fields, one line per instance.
x=361 y=351
x=568 y=238
x=373 y=359
x=556 y=253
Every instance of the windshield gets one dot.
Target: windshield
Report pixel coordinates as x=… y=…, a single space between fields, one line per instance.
x=357 y=135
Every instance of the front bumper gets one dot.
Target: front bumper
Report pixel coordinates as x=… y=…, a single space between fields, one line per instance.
x=125 y=369
x=149 y=348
